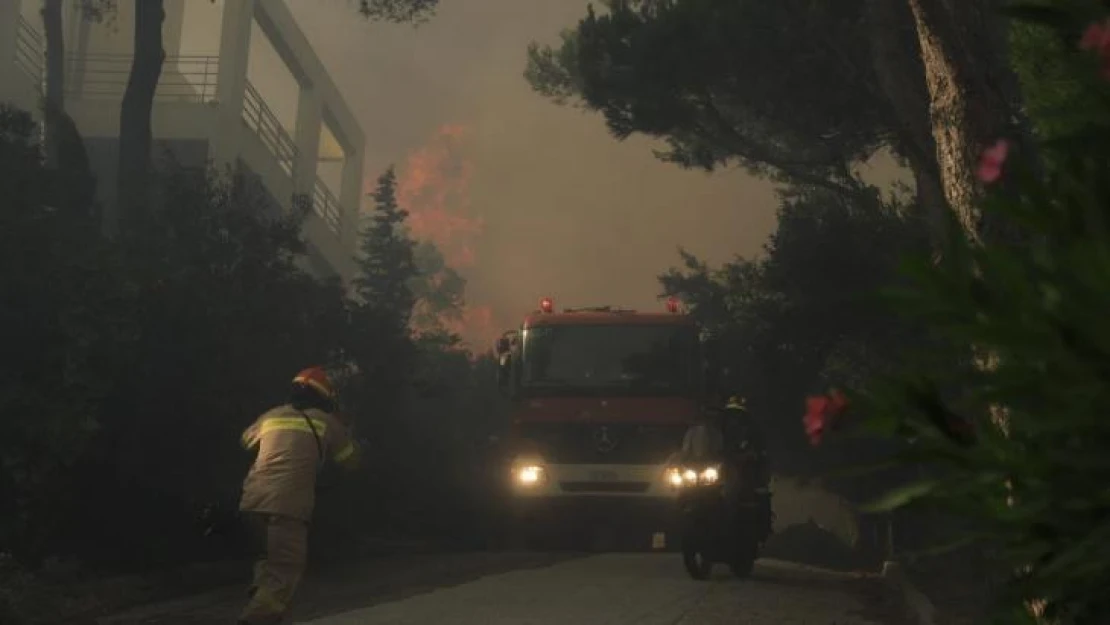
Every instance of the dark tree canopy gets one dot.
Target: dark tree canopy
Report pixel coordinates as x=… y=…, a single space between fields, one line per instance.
x=398 y=11
x=387 y=266
x=438 y=289
x=805 y=313
x=782 y=88
x=135 y=362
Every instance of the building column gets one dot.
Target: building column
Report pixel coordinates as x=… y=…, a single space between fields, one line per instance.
x=10 y=12
x=306 y=135
x=235 y=45
x=350 y=195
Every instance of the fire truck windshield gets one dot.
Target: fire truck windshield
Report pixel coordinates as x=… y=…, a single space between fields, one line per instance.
x=621 y=359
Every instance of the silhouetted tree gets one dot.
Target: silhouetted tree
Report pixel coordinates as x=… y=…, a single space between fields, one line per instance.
x=438 y=289
x=136 y=109
x=398 y=11
x=387 y=265
x=381 y=339
x=64 y=322
x=797 y=90
x=807 y=313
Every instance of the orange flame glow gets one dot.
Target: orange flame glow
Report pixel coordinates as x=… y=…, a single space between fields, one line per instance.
x=434 y=187
x=476 y=326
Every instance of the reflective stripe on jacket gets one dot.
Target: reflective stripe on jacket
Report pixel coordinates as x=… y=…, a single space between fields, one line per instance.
x=290 y=442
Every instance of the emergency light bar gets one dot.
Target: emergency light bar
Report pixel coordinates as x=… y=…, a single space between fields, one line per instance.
x=672 y=305
x=546 y=305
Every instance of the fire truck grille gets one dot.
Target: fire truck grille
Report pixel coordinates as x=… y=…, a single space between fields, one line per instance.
x=578 y=443
x=604 y=487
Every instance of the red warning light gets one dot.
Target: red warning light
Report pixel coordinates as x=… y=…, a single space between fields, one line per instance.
x=546 y=305
x=672 y=305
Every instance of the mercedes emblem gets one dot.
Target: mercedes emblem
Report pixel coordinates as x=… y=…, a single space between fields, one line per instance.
x=603 y=441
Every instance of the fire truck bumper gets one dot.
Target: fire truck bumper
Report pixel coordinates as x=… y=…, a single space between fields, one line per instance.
x=649 y=512
x=571 y=500
x=636 y=523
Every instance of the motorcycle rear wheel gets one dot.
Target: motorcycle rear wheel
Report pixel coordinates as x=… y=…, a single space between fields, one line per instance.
x=697 y=564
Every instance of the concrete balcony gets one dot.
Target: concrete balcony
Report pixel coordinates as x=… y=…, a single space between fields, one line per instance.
x=206 y=110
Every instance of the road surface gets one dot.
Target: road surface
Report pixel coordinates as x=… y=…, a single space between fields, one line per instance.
x=626 y=589
x=608 y=589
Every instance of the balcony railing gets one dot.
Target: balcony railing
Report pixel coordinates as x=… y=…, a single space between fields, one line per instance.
x=327 y=206
x=30 y=52
x=260 y=119
x=258 y=116
x=185 y=78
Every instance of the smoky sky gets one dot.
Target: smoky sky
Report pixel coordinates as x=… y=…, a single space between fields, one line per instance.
x=567 y=211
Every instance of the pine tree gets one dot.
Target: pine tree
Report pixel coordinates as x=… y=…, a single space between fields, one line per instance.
x=387 y=266
x=381 y=342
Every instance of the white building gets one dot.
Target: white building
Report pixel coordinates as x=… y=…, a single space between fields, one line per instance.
x=207 y=106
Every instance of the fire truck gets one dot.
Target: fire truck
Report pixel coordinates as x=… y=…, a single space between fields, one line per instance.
x=601 y=399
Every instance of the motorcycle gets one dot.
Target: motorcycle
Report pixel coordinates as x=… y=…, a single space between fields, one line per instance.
x=711 y=531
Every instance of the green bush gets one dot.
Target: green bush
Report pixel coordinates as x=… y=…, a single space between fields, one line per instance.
x=132 y=365
x=63 y=324
x=1016 y=439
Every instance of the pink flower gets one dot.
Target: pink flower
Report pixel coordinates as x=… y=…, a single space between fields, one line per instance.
x=814 y=419
x=821 y=412
x=992 y=160
x=1096 y=38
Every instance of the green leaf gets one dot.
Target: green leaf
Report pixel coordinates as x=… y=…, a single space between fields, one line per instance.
x=900 y=497
x=947 y=547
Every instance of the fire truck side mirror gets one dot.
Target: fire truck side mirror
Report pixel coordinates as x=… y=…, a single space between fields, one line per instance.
x=505 y=374
x=506 y=364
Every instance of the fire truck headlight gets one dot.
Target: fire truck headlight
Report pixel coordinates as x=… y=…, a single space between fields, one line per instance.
x=679 y=477
x=709 y=476
x=528 y=475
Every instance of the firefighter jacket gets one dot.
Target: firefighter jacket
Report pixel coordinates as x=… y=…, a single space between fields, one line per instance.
x=293 y=446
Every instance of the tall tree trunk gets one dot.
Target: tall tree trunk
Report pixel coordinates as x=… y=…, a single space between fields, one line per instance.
x=975 y=99
x=897 y=61
x=54 y=103
x=136 y=111
x=973 y=96
x=63 y=146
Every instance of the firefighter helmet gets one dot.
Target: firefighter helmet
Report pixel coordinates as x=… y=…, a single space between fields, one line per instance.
x=318 y=380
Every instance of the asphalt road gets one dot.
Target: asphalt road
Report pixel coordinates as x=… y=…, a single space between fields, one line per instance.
x=628 y=589
x=546 y=589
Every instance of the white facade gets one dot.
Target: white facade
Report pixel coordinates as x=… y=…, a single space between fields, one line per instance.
x=206 y=103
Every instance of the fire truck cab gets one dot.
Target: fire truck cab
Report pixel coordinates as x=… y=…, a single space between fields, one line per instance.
x=601 y=399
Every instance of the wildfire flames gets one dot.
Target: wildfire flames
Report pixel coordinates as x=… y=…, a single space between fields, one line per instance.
x=434 y=187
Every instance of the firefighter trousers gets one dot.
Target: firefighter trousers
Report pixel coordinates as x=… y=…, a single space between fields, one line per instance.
x=281 y=544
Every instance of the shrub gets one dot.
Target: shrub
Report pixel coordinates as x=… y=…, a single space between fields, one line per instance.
x=1018 y=444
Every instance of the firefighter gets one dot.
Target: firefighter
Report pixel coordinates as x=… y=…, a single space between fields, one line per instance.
x=293 y=443
x=743 y=441
x=742 y=434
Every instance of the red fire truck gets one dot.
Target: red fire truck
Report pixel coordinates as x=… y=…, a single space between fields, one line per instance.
x=602 y=397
